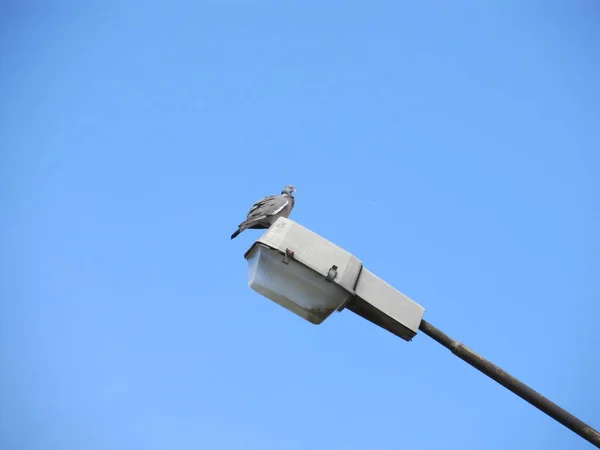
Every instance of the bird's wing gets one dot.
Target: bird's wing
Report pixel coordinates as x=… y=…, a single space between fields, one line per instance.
x=268 y=206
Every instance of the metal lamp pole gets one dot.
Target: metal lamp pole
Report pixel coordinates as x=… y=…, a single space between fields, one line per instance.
x=491 y=370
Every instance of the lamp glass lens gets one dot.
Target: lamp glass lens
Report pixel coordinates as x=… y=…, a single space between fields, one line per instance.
x=293 y=286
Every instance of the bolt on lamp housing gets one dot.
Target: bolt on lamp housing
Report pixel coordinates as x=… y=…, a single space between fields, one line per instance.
x=312 y=277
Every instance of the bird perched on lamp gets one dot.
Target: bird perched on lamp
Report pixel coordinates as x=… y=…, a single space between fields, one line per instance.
x=266 y=211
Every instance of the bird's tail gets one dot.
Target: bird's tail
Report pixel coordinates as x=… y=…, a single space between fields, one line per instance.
x=245 y=225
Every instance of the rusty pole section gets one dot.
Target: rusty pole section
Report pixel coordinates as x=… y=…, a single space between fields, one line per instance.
x=512 y=384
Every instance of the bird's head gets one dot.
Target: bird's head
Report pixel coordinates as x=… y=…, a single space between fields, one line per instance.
x=289 y=190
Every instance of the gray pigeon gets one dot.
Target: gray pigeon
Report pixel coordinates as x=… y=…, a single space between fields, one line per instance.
x=266 y=211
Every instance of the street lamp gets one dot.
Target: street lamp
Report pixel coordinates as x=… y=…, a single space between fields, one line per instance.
x=312 y=277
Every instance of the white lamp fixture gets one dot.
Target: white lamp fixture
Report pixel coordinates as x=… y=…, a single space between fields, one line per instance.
x=312 y=277
x=302 y=271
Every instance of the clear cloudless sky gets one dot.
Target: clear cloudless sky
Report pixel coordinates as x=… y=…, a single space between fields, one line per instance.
x=453 y=149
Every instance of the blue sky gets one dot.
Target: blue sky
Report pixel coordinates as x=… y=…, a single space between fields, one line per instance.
x=453 y=149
